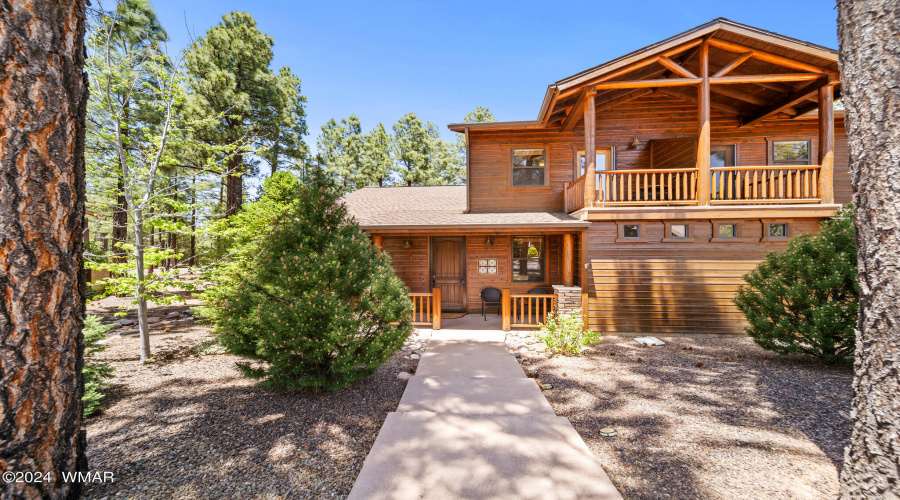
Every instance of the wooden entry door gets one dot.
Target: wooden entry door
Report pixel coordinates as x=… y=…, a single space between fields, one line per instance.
x=448 y=271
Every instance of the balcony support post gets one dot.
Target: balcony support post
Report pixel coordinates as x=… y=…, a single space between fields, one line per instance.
x=590 y=150
x=703 y=134
x=826 y=144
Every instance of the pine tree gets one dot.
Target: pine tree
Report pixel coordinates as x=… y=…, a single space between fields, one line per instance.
x=805 y=299
x=477 y=115
x=339 y=150
x=376 y=162
x=231 y=82
x=424 y=159
x=319 y=305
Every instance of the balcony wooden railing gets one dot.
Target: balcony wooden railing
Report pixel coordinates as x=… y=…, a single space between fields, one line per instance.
x=765 y=184
x=427 y=308
x=574 y=194
x=647 y=187
x=525 y=309
x=747 y=185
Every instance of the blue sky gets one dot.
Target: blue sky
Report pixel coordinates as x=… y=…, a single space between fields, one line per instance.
x=381 y=59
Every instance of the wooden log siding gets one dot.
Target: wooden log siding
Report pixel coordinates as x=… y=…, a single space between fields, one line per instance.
x=651 y=117
x=673 y=288
x=410 y=264
x=765 y=184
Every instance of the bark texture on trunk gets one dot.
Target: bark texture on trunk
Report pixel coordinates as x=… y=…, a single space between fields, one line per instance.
x=234 y=196
x=870 y=79
x=43 y=97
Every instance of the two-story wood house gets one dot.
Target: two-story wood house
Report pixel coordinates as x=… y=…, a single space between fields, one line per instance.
x=652 y=182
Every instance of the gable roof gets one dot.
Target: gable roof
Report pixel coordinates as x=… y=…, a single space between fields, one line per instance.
x=420 y=207
x=723 y=29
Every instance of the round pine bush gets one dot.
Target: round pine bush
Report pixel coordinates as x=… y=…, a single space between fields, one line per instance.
x=317 y=306
x=805 y=299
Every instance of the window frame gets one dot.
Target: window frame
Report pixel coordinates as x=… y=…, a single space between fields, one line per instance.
x=671 y=239
x=718 y=234
x=620 y=232
x=788 y=230
x=542 y=257
x=771 y=151
x=545 y=168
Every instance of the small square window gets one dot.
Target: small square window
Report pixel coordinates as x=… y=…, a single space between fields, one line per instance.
x=528 y=167
x=631 y=231
x=727 y=230
x=778 y=230
x=790 y=153
x=678 y=231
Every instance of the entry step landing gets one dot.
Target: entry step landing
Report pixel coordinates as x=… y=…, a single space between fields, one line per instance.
x=475 y=395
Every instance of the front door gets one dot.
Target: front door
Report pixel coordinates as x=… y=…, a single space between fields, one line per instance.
x=448 y=271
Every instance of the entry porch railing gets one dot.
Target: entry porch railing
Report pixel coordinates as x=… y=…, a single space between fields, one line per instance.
x=525 y=310
x=427 y=308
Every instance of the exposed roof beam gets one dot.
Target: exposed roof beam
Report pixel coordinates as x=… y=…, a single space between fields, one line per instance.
x=787 y=101
x=777 y=77
x=553 y=101
x=725 y=90
x=631 y=67
x=674 y=67
x=768 y=57
x=733 y=64
x=691 y=96
x=640 y=84
x=575 y=114
x=804 y=110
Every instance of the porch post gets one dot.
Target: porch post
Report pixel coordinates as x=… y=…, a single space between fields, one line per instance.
x=377 y=241
x=505 y=299
x=436 y=314
x=826 y=144
x=568 y=259
x=590 y=153
x=704 y=131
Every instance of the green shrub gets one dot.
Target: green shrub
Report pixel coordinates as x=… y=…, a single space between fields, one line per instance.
x=317 y=306
x=805 y=299
x=95 y=373
x=565 y=334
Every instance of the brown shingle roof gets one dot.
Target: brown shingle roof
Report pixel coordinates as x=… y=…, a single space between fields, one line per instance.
x=437 y=206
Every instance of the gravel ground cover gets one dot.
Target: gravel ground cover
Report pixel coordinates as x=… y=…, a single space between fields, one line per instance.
x=189 y=426
x=715 y=418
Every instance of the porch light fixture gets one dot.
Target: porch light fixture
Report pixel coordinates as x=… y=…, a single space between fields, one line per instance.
x=635 y=142
x=407 y=245
x=489 y=243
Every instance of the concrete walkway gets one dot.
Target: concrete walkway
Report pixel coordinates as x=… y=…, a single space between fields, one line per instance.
x=472 y=425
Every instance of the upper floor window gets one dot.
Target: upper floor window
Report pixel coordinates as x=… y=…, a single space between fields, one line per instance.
x=528 y=167
x=790 y=153
x=528 y=259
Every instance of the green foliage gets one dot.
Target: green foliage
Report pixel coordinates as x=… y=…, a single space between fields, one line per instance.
x=477 y=115
x=533 y=252
x=318 y=306
x=95 y=373
x=805 y=299
x=339 y=149
x=233 y=86
x=376 y=161
x=565 y=334
x=423 y=158
x=244 y=228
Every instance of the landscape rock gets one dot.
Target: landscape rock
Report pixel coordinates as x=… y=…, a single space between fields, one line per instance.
x=173 y=315
x=404 y=375
x=153 y=319
x=415 y=356
x=126 y=322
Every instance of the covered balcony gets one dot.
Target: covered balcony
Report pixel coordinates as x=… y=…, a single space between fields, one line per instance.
x=757 y=84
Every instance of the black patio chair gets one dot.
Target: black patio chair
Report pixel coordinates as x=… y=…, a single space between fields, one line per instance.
x=490 y=297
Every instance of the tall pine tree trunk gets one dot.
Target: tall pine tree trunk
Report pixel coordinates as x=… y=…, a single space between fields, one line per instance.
x=234 y=196
x=43 y=97
x=869 y=36
x=193 y=221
